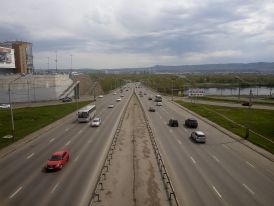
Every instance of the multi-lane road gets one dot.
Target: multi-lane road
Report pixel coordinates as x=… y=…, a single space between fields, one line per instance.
x=22 y=177
x=220 y=172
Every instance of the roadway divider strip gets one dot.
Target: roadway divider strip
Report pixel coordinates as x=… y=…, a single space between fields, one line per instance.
x=105 y=167
x=160 y=162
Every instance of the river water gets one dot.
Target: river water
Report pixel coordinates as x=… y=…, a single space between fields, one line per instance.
x=243 y=91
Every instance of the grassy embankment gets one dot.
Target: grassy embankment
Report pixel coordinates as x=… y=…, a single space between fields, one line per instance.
x=235 y=100
x=30 y=119
x=260 y=121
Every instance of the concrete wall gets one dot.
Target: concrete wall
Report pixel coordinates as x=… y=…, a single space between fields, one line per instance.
x=31 y=88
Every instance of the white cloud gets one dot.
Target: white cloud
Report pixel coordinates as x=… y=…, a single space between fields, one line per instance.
x=142 y=32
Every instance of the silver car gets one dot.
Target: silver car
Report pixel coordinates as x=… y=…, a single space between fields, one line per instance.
x=198 y=136
x=96 y=122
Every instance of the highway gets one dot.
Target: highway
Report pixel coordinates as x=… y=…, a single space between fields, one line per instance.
x=23 y=180
x=221 y=172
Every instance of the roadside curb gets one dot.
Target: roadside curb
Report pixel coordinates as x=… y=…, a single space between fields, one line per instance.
x=248 y=144
x=14 y=146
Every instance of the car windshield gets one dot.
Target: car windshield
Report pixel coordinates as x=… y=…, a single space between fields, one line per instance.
x=55 y=157
x=96 y=120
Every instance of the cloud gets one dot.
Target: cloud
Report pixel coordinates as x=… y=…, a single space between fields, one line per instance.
x=142 y=33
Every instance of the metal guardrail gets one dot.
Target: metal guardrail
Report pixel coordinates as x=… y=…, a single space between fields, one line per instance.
x=102 y=175
x=164 y=173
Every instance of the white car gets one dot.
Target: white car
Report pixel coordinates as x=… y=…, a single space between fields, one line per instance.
x=122 y=95
x=118 y=100
x=114 y=93
x=4 y=106
x=96 y=122
x=100 y=96
x=159 y=104
x=110 y=106
x=198 y=136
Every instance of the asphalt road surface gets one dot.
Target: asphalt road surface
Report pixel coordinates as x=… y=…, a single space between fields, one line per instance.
x=23 y=180
x=221 y=172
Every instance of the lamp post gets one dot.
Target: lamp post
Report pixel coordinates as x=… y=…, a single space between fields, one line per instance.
x=11 y=111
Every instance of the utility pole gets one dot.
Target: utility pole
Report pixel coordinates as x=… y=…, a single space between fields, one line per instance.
x=248 y=115
x=56 y=62
x=71 y=63
x=11 y=110
x=48 y=64
x=172 y=88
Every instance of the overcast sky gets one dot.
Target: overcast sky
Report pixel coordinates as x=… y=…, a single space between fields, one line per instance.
x=141 y=33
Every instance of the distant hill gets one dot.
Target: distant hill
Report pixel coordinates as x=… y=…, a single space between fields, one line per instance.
x=258 y=67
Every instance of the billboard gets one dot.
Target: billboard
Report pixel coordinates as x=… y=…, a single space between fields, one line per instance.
x=7 y=58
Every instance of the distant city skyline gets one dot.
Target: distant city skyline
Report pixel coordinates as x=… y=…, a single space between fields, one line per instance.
x=103 y=34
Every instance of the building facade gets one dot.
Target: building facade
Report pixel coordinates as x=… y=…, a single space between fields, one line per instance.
x=23 y=55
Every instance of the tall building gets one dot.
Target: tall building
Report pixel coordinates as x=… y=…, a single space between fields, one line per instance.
x=23 y=55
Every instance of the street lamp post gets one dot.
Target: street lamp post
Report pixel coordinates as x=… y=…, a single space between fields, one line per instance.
x=248 y=115
x=11 y=110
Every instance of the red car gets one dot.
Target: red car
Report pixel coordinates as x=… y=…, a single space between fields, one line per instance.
x=57 y=160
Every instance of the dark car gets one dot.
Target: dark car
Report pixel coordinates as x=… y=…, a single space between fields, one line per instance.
x=149 y=98
x=247 y=104
x=66 y=99
x=151 y=109
x=191 y=123
x=173 y=123
x=57 y=160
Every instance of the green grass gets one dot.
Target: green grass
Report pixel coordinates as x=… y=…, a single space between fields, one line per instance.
x=218 y=99
x=260 y=121
x=30 y=119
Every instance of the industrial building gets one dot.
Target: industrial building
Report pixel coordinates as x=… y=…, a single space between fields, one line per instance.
x=22 y=54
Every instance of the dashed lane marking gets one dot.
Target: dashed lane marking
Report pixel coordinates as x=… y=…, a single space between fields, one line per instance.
x=30 y=155
x=68 y=143
x=76 y=158
x=251 y=165
x=13 y=194
x=179 y=141
x=54 y=188
x=193 y=160
x=51 y=140
x=248 y=189
x=214 y=157
x=217 y=191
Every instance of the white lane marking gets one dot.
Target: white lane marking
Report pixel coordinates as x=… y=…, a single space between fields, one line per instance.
x=193 y=160
x=80 y=131
x=251 y=165
x=76 y=158
x=185 y=129
x=214 y=157
x=30 y=155
x=217 y=191
x=161 y=117
x=165 y=111
x=170 y=130
x=179 y=141
x=54 y=188
x=249 y=190
x=225 y=146
x=67 y=129
x=20 y=188
x=52 y=139
x=68 y=143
